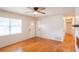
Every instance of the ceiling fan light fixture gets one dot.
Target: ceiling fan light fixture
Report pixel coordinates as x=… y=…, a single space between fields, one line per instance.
x=35 y=12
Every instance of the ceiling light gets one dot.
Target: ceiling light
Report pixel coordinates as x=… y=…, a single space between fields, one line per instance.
x=35 y=13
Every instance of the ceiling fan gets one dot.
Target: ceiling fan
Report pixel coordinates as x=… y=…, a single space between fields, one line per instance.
x=37 y=10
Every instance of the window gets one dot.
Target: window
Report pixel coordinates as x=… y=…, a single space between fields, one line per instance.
x=15 y=26
x=4 y=26
x=10 y=26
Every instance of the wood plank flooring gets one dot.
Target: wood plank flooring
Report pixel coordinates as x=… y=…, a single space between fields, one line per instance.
x=35 y=44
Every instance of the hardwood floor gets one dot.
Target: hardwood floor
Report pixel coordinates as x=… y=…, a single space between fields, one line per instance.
x=35 y=44
x=69 y=42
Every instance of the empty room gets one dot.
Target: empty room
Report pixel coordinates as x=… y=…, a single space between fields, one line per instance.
x=39 y=29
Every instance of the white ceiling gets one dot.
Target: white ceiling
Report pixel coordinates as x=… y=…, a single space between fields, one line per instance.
x=49 y=10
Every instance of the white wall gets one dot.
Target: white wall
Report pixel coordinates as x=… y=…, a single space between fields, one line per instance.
x=26 y=33
x=51 y=27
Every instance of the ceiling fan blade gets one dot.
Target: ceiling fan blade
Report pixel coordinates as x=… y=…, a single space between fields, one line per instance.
x=30 y=8
x=41 y=12
x=41 y=8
